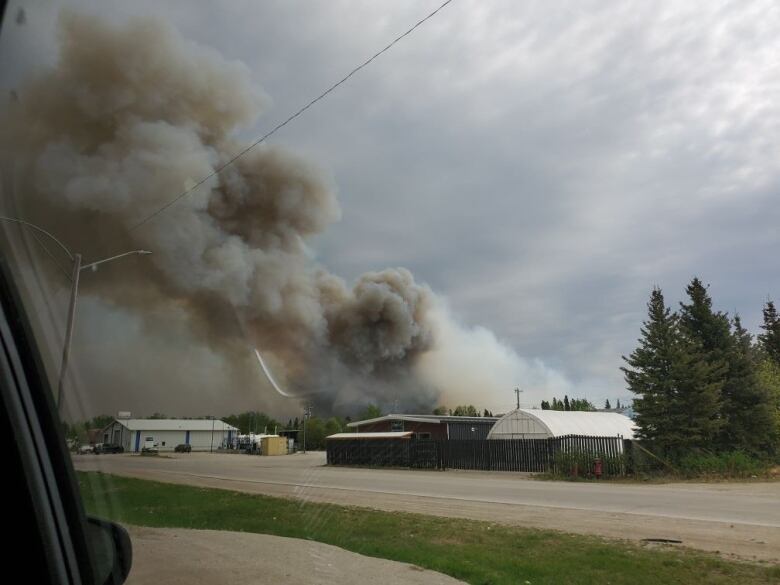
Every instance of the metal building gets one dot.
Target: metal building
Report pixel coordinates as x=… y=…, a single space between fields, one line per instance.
x=202 y=435
x=525 y=423
x=428 y=426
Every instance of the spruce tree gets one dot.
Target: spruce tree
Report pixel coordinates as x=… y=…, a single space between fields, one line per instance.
x=769 y=340
x=694 y=419
x=649 y=373
x=748 y=409
x=566 y=405
x=697 y=319
x=710 y=331
x=607 y=405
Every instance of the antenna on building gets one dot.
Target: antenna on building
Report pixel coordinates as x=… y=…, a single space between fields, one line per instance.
x=517 y=392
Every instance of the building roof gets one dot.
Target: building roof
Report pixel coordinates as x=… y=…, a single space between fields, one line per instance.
x=423 y=418
x=173 y=424
x=388 y=435
x=560 y=423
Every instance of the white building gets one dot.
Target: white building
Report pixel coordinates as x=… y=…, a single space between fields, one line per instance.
x=201 y=435
x=542 y=424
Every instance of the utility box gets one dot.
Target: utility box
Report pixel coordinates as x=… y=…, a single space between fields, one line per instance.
x=274 y=445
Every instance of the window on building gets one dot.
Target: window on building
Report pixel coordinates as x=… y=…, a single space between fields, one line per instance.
x=397 y=425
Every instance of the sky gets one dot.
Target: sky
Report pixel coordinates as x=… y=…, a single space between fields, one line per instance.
x=541 y=165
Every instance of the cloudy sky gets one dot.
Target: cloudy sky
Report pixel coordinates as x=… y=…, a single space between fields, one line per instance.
x=542 y=165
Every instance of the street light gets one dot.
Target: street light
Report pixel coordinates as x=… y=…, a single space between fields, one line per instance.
x=77 y=267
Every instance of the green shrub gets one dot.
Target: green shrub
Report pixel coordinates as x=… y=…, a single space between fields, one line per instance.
x=730 y=464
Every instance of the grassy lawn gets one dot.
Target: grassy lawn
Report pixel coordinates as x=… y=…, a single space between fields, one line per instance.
x=477 y=552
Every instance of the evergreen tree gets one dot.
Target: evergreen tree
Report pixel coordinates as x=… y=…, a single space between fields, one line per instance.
x=607 y=406
x=769 y=340
x=546 y=405
x=711 y=331
x=677 y=390
x=618 y=404
x=695 y=415
x=566 y=405
x=699 y=322
x=748 y=410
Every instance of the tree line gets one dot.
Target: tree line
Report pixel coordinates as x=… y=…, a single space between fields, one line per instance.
x=702 y=383
x=580 y=404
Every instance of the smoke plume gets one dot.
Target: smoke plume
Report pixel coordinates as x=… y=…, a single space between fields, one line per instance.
x=132 y=116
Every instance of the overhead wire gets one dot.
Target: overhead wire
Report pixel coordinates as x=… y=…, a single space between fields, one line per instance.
x=289 y=119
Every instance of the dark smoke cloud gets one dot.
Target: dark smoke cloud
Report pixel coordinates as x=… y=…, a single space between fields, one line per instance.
x=130 y=117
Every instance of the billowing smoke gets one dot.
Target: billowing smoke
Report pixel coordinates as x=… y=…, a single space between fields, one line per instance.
x=132 y=116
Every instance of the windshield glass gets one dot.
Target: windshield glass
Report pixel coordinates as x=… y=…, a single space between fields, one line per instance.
x=284 y=260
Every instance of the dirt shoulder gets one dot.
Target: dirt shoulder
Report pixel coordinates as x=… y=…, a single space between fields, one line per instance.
x=210 y=557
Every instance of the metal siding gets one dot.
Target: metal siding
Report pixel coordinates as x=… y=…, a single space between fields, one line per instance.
x=458 y=431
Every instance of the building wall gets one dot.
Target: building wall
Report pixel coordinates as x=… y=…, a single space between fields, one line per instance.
x=198 y=440
x=437 y=431
x=469 y=430
x=115 y=434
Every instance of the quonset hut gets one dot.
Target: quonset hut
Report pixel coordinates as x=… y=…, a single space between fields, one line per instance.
x=525 y=423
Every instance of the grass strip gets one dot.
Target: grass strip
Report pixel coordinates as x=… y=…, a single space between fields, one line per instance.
x=478 y=552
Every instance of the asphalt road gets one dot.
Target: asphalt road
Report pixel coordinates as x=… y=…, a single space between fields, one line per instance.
x=740 y=519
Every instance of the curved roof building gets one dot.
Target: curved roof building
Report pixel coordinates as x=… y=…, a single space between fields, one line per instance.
x=542 y=424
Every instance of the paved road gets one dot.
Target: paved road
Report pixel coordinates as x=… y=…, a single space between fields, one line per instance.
x=742 y=519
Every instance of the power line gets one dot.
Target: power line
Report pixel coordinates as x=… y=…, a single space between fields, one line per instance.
x=290 y=118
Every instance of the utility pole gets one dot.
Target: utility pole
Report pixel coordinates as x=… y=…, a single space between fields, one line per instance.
x=517 y=392
x=306 y=414
x=69 y=327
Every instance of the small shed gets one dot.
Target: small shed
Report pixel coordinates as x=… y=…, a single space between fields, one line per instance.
x=273 y=445
x=525 y=423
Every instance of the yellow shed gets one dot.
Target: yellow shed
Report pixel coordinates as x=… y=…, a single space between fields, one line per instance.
x=274 y=445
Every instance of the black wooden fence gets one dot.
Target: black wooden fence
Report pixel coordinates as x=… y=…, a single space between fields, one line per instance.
x=535 y=455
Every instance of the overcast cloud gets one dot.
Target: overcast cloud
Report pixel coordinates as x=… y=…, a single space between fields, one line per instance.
x=542 y=165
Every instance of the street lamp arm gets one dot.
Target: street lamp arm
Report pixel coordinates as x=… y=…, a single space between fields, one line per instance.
x=32 y=226
x=104 y=260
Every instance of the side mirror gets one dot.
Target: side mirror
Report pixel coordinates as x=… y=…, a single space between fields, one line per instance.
x=112 y=551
